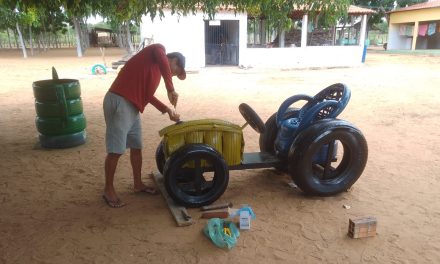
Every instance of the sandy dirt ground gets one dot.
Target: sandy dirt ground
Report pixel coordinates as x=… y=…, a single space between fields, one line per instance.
x=51 y=209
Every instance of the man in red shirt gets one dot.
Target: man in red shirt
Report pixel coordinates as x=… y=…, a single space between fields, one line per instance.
x=132 y=90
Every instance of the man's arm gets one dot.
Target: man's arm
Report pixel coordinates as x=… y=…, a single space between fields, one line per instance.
x=165 y=109
x=158 y=104
x=164 y=66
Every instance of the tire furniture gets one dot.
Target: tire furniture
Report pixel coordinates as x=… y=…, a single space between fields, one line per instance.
x=323 y=155
x=60 y=120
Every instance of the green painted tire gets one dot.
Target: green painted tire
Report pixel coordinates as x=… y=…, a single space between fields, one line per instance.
x=54 y=109
x=63 y=141
x=46 y=90
x=54 y=126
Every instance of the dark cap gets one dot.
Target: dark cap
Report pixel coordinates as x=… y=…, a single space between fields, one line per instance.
x=180 y=62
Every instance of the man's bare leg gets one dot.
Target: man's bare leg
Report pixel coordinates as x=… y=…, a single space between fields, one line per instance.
x=136 y=164
x=111 y=162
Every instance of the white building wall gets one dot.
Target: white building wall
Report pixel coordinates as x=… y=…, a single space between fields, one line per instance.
x=186 y=34
x=312 y=56
x=396 y=41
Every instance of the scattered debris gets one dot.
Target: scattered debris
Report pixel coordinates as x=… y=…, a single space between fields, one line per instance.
x=292 y=185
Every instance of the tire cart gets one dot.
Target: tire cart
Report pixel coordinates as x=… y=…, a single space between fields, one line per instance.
x=323 y=155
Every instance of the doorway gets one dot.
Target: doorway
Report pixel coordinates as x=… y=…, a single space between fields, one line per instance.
x=221 y=42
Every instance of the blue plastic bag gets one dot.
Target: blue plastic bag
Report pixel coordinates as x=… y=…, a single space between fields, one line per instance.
x=244 y=208
x=222 y=233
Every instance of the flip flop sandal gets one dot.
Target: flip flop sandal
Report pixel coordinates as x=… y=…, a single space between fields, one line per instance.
x=113 y=204
x=148 y=190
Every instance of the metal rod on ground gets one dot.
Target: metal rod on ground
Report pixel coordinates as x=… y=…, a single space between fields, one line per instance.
x=216 y=206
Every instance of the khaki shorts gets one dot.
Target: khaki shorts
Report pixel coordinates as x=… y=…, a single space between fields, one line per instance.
x=123 y=124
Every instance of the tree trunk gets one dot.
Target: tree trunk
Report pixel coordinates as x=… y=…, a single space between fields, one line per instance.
x=15 y=38
x=119 y=37
x=57 y=41
x=44 y=39
x=31 y=43
x=38 y=39
x=128 y=35
x=9 y=38
x=23 y=47
x=263 y=31
x=68 y=36
x=78 y=37
x=281 y=39
x=49 y=39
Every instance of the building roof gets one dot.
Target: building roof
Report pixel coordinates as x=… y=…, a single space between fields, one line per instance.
x=352 y=10
x=425 y=5
x=356 y=10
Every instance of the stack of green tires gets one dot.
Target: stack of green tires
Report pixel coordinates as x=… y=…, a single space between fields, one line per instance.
x=60 y=119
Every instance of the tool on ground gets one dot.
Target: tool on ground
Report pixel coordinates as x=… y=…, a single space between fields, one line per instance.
x=185 y=215
x=216 y=206
x=218 y=213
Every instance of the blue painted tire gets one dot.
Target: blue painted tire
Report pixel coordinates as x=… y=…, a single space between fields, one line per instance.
x=63 y=141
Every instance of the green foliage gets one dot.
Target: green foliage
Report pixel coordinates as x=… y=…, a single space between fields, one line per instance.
x=382 y=27
x=52 y=15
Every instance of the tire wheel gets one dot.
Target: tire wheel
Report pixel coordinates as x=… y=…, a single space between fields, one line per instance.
x=252 y=118
x=46 y=90
x=57 y=126
x=99 y=69
x=160 y=157
x=267 y=139
x=196 y=175
x=64 y=141
x=335 y=175
x=53 y=109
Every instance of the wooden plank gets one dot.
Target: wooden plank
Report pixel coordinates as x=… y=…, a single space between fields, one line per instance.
x=179 y=212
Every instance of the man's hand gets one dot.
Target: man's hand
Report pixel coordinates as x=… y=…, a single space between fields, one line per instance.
x=173 y=96
x=173 y=115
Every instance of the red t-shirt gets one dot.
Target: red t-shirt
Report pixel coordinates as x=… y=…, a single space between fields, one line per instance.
x=139 y=78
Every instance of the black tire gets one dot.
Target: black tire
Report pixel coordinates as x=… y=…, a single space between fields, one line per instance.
x=325 y=179
x=186 y=174
x=160 y=157
x=64 y=141
x=267 y=139
x=251 y=117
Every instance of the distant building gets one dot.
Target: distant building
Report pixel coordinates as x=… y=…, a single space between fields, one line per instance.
x=225 y=40
x=415 y=27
